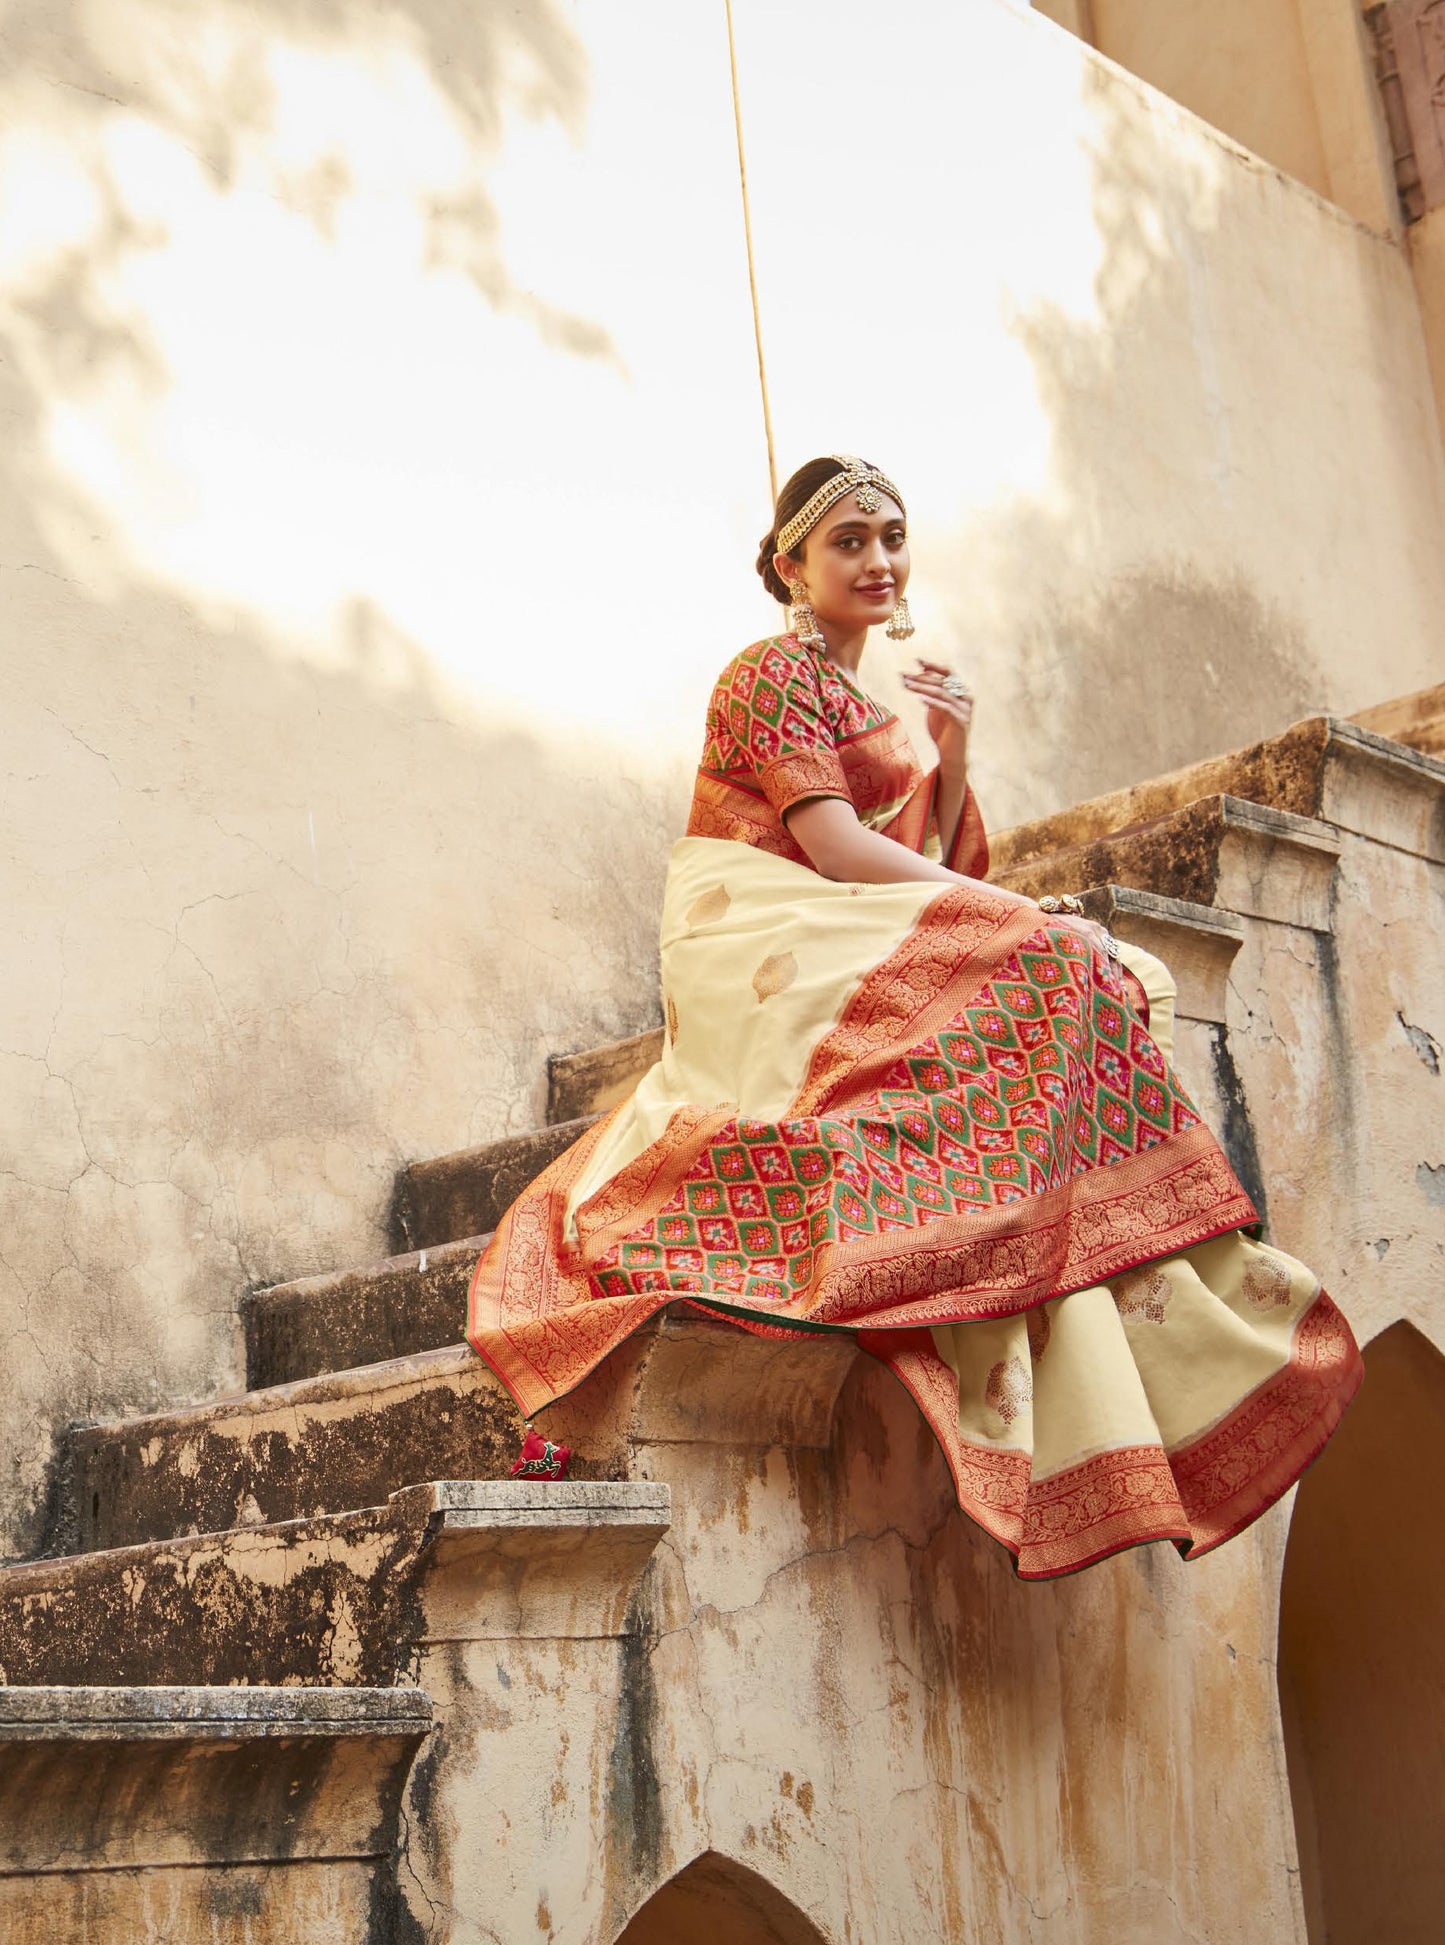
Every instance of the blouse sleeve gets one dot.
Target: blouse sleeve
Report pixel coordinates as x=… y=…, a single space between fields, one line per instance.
x=775 y=715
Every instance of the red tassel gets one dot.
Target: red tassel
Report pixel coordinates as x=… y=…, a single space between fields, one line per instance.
x=539 y=1458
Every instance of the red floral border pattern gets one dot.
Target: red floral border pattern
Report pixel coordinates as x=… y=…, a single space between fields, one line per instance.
x=1198 y=1495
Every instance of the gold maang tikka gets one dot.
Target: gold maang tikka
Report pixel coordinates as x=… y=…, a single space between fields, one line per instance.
x=857 y=477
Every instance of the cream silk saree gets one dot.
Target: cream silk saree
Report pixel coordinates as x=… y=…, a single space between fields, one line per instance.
x=934 y=1119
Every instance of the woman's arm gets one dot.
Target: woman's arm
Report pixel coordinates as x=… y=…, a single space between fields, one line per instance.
x=838 y=846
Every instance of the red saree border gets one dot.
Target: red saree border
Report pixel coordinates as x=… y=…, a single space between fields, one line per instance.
x=1197 y=1495
x=525 y=1254
x=896 y=1006
x=1017 y=1254
x=543 y=1355
x=1102 y=1222
x=645 y=1185
x=787 y=780
x=1231 y=1473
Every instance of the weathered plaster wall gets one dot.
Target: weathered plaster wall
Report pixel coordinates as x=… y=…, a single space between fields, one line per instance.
x=1242 y=66
x=365 y=374
x=383 y=467
x=1292 y=80
x=1134 y=379
x=831 y=1677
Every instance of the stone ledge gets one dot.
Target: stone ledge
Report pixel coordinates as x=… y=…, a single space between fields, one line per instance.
x=1219 y=851
x=1417 y=720
x=536 y=1561
x=1384 y=791
x=171 y=1713
x=353 y=1439
x=598 y=1078
x=1297 y=771
x=1198 y=943
x=468 y=1192
x=322 y=1602
x=466 y=1505
x=105 y=1791
x=295 y=1451
x=1127 y=902
x=1283 y=772
x=334 y=1322
x=329 y=1602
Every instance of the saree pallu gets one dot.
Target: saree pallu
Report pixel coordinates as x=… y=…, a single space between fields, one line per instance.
x=944 y=1124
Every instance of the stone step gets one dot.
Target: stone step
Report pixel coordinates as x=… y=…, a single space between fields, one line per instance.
x=1223 y=851
x=323 y=1446
x=296 y=1451
x=598 y=1078
x=1417 y=720
x=204 y=1804
x=1344 y=772
x=315 y=1602
x=396 y=1308
x=467 y=1193
x=337 y=1602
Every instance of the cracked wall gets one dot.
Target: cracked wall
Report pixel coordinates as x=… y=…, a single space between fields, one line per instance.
x=382 y=473
x=832 y=1679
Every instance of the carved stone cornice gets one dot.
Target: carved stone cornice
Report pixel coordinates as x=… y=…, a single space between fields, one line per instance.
x=1410 y=67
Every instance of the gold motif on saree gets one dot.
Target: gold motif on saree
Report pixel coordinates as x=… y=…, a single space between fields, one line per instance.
x=1144 y=1294
x=671 y=1020
x=1040 y=1329
x=1010 y=1389
x=1266 y=1284
x=712 y=905
x=775 y=975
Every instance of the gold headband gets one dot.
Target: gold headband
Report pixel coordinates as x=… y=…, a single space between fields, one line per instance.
x=857 y=477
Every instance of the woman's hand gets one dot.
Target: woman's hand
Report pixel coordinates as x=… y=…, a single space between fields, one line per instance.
x=1087 y=928
x=949 y=716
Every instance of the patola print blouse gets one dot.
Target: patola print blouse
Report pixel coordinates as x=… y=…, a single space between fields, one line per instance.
x=786 y=723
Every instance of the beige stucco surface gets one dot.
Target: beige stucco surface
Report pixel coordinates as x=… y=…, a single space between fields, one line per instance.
x=1244 y=69
x=382 y=471
x=831 y=1678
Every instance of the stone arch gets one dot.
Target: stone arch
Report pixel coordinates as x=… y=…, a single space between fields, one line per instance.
x=1361 y=1677
x=714 y=1899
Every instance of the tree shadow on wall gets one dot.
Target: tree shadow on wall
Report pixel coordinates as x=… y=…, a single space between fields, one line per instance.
x=280 y=928
x=1155 y=665
x=167 y=61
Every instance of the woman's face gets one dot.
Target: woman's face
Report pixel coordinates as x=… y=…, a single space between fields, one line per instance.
x=855 y=564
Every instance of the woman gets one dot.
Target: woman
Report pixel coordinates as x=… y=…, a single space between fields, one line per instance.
x=896 y=1101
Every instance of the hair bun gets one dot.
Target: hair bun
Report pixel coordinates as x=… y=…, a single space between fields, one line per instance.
x=776 y=586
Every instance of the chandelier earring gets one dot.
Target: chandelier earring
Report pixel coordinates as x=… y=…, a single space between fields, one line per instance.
x=900 y=622
x=805 y=622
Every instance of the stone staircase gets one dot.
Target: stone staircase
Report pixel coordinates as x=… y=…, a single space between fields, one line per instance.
x=244 y=1685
